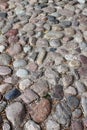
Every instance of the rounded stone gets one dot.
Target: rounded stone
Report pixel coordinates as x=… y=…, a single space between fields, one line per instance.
x=12 y=94
x=52 y=125
x=70 y=91
x=30 y=125
x=55 y=43
x=73 y=102
x=15 y=113
x=6 y=125
x=25 y=83
x=77 y=113
x=4 y=70
x=22 y=73
x=5 y=59
x=19 y=63
x=41 y=111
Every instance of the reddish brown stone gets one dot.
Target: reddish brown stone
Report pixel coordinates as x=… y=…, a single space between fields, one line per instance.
x=4 y=5
x=12 y=32
x=77 y=125
x=40 y=111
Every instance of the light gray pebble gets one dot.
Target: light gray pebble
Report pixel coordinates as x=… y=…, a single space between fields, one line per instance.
x=19 y=63
x=52 y=125
x=30 y=125
x=22 y=73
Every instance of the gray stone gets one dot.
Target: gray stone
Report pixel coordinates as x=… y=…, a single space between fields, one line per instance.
x=5 y=59
x=40 y=87
x=62 y=114
x=77 y=113
x=22 y=73
x=67 y=80
x=73 y=102
x=2 y=105
x=6 y=125
x=15 y=113
x=55 y=43
x=30 y=125
x=52 y=125
x=19 y=63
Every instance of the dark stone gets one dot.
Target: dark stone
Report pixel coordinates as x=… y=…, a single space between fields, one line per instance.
x=83 y=59
x=65 y=23
x=53 y=49
x=3 y=14
x=0 y=96
x=12 y=94
x=58 y=92
x=1 y=121
x=52 y=19
x=73 y=102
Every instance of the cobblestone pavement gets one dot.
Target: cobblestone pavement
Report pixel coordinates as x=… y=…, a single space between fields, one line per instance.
x=43 y=65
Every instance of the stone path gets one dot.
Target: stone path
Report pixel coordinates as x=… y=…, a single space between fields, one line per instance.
x=43 y=65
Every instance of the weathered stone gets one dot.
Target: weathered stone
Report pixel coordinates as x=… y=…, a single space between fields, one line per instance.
x=40 y=112
x=67 y=80
x=25 y=83
x=73 y=102
x=5 y=59
x=58 y=92
x=77 y=113
x=62 y=114
x=30 y=125
x=29 y=96
x=51 y=124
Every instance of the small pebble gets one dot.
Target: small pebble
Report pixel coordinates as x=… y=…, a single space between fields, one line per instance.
x=19 y=63
x=4 y=70
x=31 y=125
x=22 y=73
